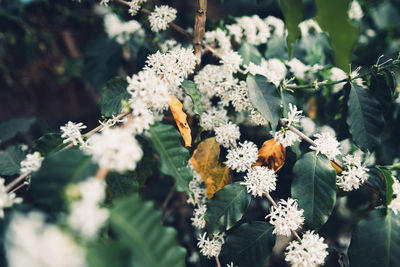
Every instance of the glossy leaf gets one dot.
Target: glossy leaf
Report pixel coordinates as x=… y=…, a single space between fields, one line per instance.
x=386 y=176
x=11 y=127
x=138 y=225
x=293 y=13
x=10 y=160
x=376 y=240
x=226 y=207
x=249 y=53
x=112 y=95
x=265 y=98
x=332 y=17
x=174 y=157
x=249 y=245
x=48 y=143
x=314 y=186
x=194 y=93
x=364 y=118
x=121 y=185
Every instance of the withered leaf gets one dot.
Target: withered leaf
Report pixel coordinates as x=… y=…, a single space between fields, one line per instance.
x=180 y=118
x=271 y=155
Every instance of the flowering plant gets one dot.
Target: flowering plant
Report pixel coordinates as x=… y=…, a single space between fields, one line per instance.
x=249 y=142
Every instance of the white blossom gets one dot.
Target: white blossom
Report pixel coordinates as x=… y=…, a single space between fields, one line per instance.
x=242 y=157
x=285 y=217
x=211 y=77
x=231 y=265
x=104 y=2
x=257 y=118
x=121 y=31
x=220 y=38
x=213 y=118
x=198 y=220
x=294 y=115
x=337 y=75
x=110 y=122
x=134 y=6
x=308 y=126
x=310 y=252
x=86 y=216
x=309 y=27
x=273 y=69
x=395 y=204
x=161 y=16
x=260 y=180
x=211 y=247
x=7 y=200
x=326 y=144
x=253 y=28
x=239 y=97
x=31 y=163
x=29 y=241
x=71 y=132
x=355 y=12
x=173 y=66
x=298 y=68
x=197 y=188
x=353 y=174
x=227 y=134
x=116 y=149
x=276 y=26
x=231 y=60
x=142 y=117
x=285 y=137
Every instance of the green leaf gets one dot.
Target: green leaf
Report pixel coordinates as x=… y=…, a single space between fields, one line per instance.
x=383 y=87
x=376 y=240
x=138 y=225
x=249 y=245
x=121 y=185
x=48 y=143
x=364 y=118
x=287 y=99
x=249 y=53
x=314 y=186
x=293 y=14
x=265 y=98
x=332 y=17
x=107 y=254
x=57 y=171
x=191 y=89
x=226 y=207
x=387 y=177
x=11 y=127
x=276 y=48
x=10 y=160
x=112 y=95
x=174 y=157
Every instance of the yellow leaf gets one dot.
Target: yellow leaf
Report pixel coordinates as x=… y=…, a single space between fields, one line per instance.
x=271 y=155
x=337 y=168
x=180 y=118
x=205 y=162
x=312 y=107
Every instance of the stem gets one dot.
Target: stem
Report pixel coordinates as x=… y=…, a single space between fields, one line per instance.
x=18 y=187
x=218 y=262
x=17 y=180
x=199 y=28
x=102 y=173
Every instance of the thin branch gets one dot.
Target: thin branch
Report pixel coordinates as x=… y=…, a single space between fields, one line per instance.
x=18 y=187
x=199 y=28
x=17 y=180
x=217 y=261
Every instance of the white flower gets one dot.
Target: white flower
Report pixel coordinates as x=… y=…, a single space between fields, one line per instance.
x=86 y=216
x=210 y=77
x=308 y=126
x=298 y=68
x=355 y=12
x=173 y=66
x=197 y=187
x=198 y=217
x=257 y=118
x=243 y=157
x=276 y=26
x=353 y=174
x=29 y=241
x=31 y=163
x=161 y=16
x=311 y=252
x=227 y=134
x=285 y=137
x=211 y=248
x=353 y=79
x=220 y=38
x=273 y=69
x=259 y=181
x=254 y=29
x=213 y=118
x=337 y=75
x=231 y=61
x=71 y=132
x=7 y=200
x=309 y=27
x=294 y=116
x=286 y=217
x=104 y=2
x=326 y=144
x=240 y=97
x=134 y=6
x=119 y=30
x=142 y=117
x=231 y=265
x=110 y=122
x=395 y=204
x=116 y=149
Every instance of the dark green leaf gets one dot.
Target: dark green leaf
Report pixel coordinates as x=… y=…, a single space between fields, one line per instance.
x=108 y=254
x=249 y=54
x=276 y=48
x=11 y=127
x=364 y=118
x=121 y=185
x=287 y=99
x=138 y=225
x=376 y=240
x=102 y=59
x=332 y=17
x=314 y=186
x=10 y=160
x=293 y=14
x=226 y=207
x=265 y=98
x=249 y=245
x=383 y=87
x=191 y=89
x=112 y=95
x=387 y=177
x=174 y=157
x=50 y=142
x=57 y=171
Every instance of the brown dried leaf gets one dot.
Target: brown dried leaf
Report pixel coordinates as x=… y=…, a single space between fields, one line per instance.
x=312 y=107
x=205 y=162
x=180 y=118
x=271 y=155
x=337 y=168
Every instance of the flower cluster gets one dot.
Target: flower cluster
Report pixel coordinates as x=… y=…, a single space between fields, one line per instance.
x=227 y=134
x=243 y=157
x=326 y=144
x=161 y=16
x=286 y=217
x=71 y=132
x=284 y=136
x=31 y=163
x=121 y=31
x=211 y=247
x=260 y=180
x=353 y=175
x=134 y=6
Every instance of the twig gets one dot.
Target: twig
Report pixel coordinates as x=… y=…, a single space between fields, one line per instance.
x=18 y=187
x=102 y=173
x=17 y=180
x=218 y=262
x=199 y=28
